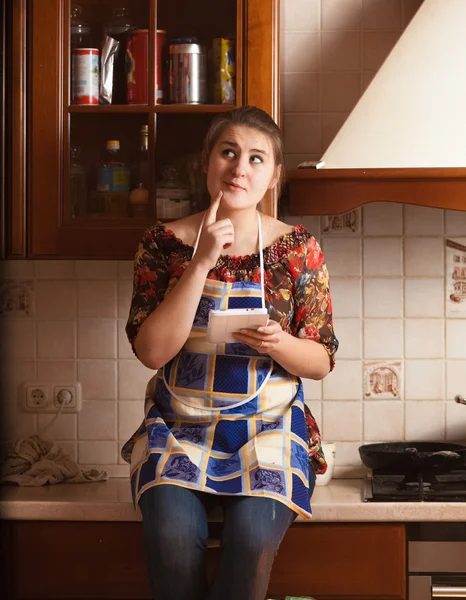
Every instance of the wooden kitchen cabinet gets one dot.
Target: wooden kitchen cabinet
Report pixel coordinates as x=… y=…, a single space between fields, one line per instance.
x=332 y=561
x=58 y=560
x=336 y=191
x=66 y=140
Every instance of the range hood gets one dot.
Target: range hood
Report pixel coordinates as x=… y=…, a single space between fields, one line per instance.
x=413 y=114
x=405 y=140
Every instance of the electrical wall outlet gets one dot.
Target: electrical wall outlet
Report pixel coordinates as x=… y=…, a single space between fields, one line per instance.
x=37 y=396
x=49 y=397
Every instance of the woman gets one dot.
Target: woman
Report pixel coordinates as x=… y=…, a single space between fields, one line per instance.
x=226 y=423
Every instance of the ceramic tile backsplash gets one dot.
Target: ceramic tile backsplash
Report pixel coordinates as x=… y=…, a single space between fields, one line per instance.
x=421 y=220
x=341 y=15
x=402 y=356
x=340 y=50
x=300 y=15
x=382 y=257
x=56 y=339
x=424 y=297
x=381 y=14
x=390 y=314
x=455 y=422
x=383 y=218
x=301 y=91
x=424 y=256
x=343 y=255
x=342 y=421
x=346 y=296
x=349 y=336
x=55 y=299
x=383 y=297
x=97 y=298
x=344 y=384
x=383 y=338
x=424 y=379
x=456 y=378
x=97 y=338
x=383 y=421
x=456 y=338
x=455 y=222
x=425 y=421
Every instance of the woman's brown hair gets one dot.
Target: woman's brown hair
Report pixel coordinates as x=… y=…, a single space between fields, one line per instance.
x=255 y=118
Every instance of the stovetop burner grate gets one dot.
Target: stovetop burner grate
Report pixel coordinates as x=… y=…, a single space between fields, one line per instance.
x=432 y=486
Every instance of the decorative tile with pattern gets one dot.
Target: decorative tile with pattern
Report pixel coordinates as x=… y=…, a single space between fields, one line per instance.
x=382 y=380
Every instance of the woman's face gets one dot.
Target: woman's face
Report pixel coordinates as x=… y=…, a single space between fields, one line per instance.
x=242 y=166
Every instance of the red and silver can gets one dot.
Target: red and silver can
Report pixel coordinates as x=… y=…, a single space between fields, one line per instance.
x=161 y=41
x=137 y=54
x=85 y=76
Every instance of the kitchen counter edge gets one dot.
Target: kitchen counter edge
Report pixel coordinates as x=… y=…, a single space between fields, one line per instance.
x=340 y=501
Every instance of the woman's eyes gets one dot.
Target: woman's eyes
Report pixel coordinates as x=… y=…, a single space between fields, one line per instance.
x=254 y=159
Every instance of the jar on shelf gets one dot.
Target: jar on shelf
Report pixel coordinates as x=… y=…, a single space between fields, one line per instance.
x=80 y=30
x=173 y=197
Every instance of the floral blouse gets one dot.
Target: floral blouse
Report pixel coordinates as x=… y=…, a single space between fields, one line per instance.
x=296 y=291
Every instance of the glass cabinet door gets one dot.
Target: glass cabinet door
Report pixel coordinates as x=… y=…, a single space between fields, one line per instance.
x=127 y=64
x=123 y=93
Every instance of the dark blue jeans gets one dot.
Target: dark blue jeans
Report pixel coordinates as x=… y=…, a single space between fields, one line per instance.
x=175 y=536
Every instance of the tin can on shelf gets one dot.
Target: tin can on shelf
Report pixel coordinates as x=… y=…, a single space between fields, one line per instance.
x=187 y=74
x=137 y=55
x=85 y=76
x=161 y=41
x=225 y=70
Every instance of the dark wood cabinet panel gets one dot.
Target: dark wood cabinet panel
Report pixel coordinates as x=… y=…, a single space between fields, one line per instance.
x=58 y=560
x=331 y=561
x=17 y=130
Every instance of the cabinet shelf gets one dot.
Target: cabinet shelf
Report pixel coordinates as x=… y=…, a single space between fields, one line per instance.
x=143 y=109
x=108 y=108
x=193 y=108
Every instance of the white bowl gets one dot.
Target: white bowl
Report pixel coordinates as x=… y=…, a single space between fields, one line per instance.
x=329 y=452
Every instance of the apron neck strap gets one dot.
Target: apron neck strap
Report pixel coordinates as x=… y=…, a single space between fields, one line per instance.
x=199 y=234
x=261 y=253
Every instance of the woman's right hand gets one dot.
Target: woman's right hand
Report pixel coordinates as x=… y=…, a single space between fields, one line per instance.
x=215 y=236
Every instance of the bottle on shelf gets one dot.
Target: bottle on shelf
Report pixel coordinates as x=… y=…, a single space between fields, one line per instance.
x=118 y=27
x=80 y=30
x=140 y=169
x=78 y=185
x=112 y=174
x=113 y=179
x=139 y=196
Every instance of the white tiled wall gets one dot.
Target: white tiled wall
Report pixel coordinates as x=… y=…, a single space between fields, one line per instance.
x=387 y=281
x=76 y=332
x=389 y=300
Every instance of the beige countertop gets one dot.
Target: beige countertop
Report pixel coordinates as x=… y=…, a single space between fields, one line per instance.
x=340 y=501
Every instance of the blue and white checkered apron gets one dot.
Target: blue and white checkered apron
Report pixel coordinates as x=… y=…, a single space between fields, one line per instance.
x=223 y=419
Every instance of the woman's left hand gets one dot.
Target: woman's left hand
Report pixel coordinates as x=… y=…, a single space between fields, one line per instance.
x=264 y=340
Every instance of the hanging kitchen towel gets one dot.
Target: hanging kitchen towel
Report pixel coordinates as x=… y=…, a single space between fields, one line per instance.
x=36 y=460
